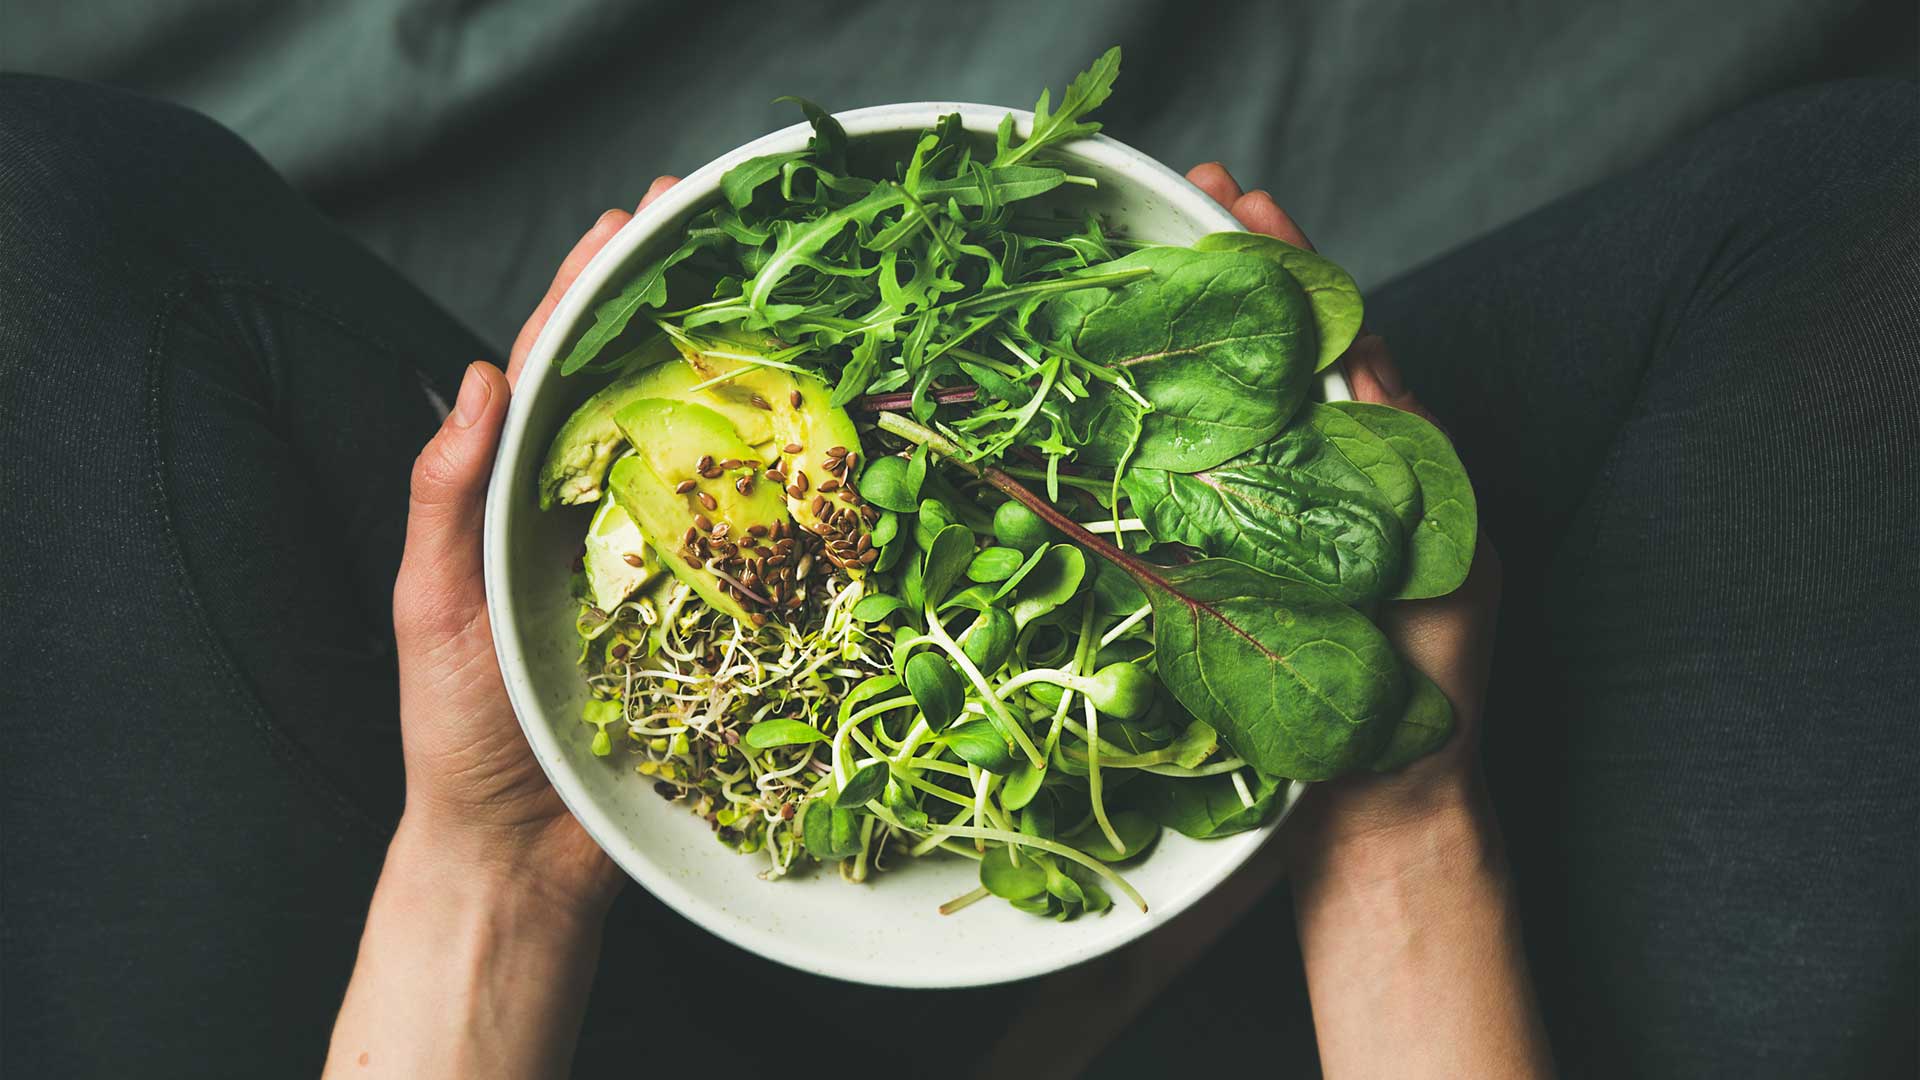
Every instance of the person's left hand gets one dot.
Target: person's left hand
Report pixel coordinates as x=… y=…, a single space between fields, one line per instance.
x=475 y=794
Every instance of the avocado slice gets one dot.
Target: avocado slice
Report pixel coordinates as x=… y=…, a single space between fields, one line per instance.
x=618 y=560
x=818 y=446
x=583 y=449
x=719 y=530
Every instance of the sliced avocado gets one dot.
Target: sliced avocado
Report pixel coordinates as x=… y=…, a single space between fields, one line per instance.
x=618 y=560
x=585 y=446
x=720 y=545
x=805 y=429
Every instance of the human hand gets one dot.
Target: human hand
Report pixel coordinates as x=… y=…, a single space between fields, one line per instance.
x=476 y=798
x=1448 y=638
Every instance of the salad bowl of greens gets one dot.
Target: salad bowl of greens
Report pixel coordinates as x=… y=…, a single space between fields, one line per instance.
x=929 y=548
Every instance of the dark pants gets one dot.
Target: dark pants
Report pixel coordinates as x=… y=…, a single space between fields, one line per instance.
x=1690 y=401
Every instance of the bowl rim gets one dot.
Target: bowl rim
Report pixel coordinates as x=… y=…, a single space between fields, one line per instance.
x=694 y=190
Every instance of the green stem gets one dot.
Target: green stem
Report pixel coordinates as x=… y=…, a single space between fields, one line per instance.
x=967 y=667
x=1052 y=848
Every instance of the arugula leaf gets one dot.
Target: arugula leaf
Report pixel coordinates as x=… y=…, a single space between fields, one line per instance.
x=648 y=288
x=1084 y=94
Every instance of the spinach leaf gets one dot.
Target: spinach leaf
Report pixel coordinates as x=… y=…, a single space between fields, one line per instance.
x=1425 y=725
x=1292 y=507
x=1367 y=452
x=1219 y=343
x=1204 y=807
x=1331 y=291
x=1440 y=547
x=1298 y=683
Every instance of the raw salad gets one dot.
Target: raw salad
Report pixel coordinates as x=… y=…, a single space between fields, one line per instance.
x=934 y=515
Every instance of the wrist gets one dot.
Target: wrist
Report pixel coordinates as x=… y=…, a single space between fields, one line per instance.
x=555 y=870
x=1374 y=829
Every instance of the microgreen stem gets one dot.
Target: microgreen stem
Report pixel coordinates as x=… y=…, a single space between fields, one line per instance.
x=1051 y=848
x=1114 y=526
x=964 y=899
x=1120 y=628
x=967 y=667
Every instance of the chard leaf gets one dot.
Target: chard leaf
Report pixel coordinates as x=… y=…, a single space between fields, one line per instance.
x=1220 y=343
x=1293 y=507
x=1335 y=298
x=1298 y=683
x=1440 y=547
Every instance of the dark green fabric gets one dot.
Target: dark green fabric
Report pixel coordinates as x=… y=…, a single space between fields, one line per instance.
x=470 y=144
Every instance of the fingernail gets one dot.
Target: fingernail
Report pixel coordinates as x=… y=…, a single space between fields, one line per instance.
x=475 y=392
x=602 y=219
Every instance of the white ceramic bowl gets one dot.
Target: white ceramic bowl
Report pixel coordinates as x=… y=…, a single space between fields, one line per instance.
x=886 y=932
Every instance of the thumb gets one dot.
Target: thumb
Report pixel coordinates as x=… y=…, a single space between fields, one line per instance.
x=440 y=588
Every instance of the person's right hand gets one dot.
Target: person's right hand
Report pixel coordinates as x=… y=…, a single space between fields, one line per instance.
x=1448 y=638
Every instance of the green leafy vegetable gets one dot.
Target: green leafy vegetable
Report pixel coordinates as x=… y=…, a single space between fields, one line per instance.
x=1330 y=289
x=1440 y=548
x=1208 y=806
x=936 y=688
x=768 y=734
x=1425 y=725
x=1292 y=507
x=1214 y=341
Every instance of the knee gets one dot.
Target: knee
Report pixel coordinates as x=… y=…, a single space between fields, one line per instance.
x=93 y=167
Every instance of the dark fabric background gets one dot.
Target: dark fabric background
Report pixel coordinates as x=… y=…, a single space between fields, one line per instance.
x=470 y=143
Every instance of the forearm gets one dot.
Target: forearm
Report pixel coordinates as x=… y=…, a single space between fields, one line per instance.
x=1413 y=950
x=463 y=973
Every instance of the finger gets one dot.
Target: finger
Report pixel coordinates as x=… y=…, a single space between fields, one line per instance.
x=440 y=590
x=583 y=252
x=656 y=189
x=1214 y=179
x=1259 y=213
x=1374 y=376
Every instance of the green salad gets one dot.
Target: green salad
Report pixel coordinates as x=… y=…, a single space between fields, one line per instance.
x=934 y=516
